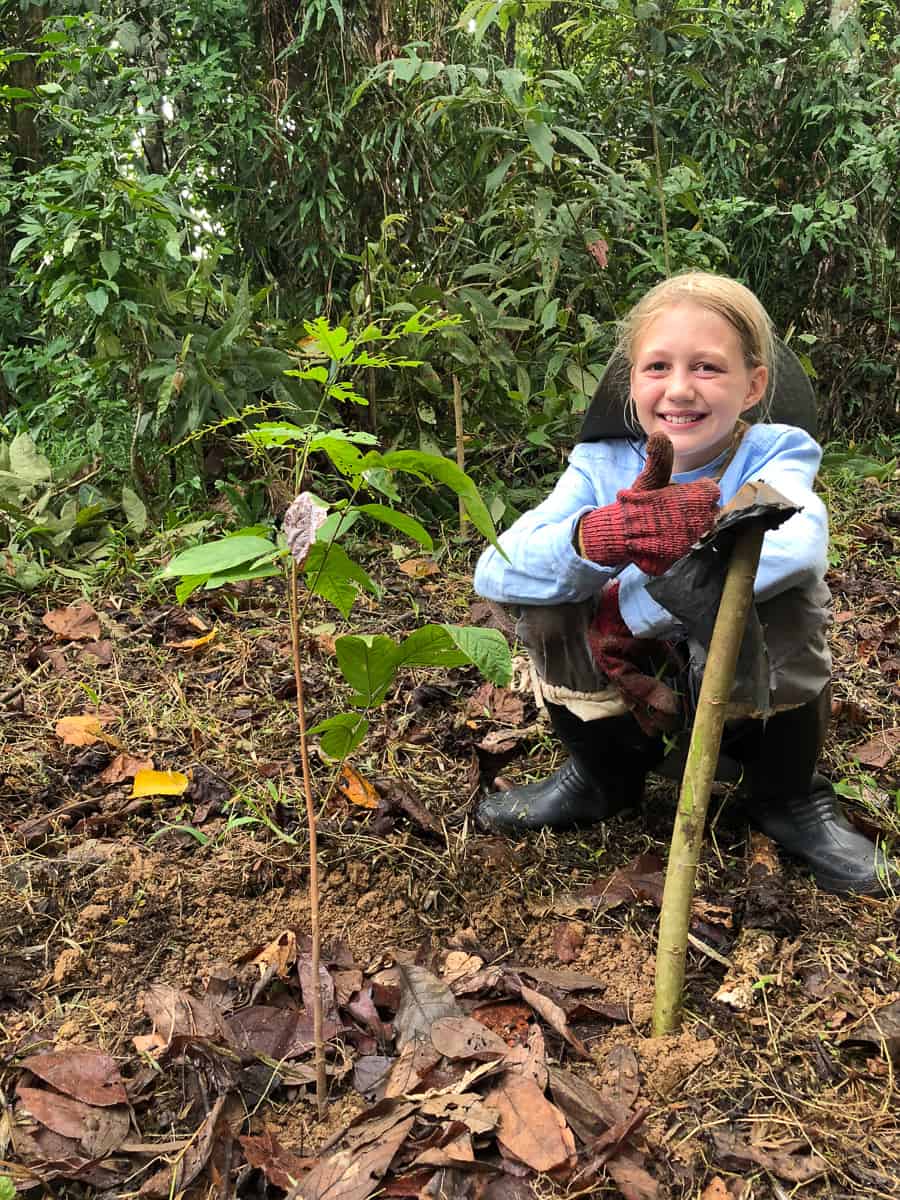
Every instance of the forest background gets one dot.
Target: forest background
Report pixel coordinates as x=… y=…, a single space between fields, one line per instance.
x=185 y=187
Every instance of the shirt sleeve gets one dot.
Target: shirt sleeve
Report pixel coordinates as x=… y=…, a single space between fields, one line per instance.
x=796 y=554
x=542 y=565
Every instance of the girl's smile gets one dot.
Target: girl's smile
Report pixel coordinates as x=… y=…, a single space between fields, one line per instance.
x=690 y=380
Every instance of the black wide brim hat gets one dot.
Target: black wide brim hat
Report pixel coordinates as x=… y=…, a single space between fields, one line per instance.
x=789 y=399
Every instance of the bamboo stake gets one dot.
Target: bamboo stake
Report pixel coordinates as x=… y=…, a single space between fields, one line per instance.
x=313 y=849
x=460 y=445
x=699 y=772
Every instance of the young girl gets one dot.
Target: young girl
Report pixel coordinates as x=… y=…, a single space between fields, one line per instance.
x=604 y=653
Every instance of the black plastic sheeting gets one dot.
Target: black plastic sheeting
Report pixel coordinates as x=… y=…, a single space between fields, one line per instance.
x=691 y=590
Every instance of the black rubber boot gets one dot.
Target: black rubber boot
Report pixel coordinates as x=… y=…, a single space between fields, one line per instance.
x=813 y=827
x=798 y=809
x=610 y=759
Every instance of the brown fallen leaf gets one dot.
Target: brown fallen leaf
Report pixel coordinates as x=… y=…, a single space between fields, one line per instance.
x=555 y=1018
x=568 y=938
x=100 y=1131
x=82 y=730
x=880 y=751
x=588 y=1110
x=357 y=789
x=100 y=652
x=176 y=1014
x=621 y=1076
x=276 y=1033
x=159 y=783
x=462 y=1037
x=497 y=703
x=882 y=1028
x=632 y=1178
x=352 y=1173
x=280 y=1166
x=467 y=1108
x=307 y=987
x=796 y=1168
x=451 y=1153
x=187 y=1166
x=716 y=1190
x=87 y=1075
x=419 y=568
x=414 y=1062
x=76 y=622
x=423 y=998
x=563 y=981
x=122 y=767
x=531 y=1128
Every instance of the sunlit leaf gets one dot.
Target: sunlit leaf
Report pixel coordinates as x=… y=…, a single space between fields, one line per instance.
x=159 y=783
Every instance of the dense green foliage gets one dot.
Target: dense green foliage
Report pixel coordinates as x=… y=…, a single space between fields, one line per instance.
x=183 y=187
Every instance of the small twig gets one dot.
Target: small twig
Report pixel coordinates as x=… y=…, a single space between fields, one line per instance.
x=313 y=863
x=17 y=688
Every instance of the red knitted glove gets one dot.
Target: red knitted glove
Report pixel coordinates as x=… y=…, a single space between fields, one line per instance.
x=633 y=664
x=653 y=523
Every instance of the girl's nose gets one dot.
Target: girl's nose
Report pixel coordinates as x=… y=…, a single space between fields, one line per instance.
x=678 y=385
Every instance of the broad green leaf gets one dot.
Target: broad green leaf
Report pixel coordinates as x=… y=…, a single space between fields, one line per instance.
x=110 y=261
x=236 y=574
x=406 y=524
x=342 y=453
x=431 y=646
x=187 y=585
x=369 y=664
x=331 y=573
x=215 y=557
x=135 y=510
x=569 y=78
x=341 y=734
x=486 y=648
x=541 y=140
x=98 y=299
x=494 y=178
x=584 y=144
x=435 y=466
x=26 y=462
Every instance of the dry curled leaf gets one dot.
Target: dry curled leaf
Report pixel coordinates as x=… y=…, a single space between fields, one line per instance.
x=76 y=622
x=122 y=767
x=302 y=521
x=194 y=643
x=531 y=1128
x=357 y=789
x=419 y=568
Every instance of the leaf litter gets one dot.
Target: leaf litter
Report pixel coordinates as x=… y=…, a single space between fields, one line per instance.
x=541 y=952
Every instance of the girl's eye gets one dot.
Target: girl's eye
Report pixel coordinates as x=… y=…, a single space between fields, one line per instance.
x=655 y=366
x=708 y=368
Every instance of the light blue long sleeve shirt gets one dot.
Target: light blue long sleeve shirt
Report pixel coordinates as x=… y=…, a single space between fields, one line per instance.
x=544 y=567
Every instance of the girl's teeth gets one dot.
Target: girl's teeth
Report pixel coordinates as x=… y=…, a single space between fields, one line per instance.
x=680 y=420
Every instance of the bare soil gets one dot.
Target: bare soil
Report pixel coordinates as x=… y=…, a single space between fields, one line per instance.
x=103 y=895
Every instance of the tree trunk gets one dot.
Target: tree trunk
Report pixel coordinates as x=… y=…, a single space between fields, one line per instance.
x=24 y=74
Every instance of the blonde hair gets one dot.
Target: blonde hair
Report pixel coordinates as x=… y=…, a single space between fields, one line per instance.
x=721 y=295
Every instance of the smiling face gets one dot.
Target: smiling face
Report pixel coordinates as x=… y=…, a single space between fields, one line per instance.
x=690 y=380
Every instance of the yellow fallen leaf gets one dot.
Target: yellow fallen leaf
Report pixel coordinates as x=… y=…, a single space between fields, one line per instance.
x=82 y=730
x=356 y=789
x=193 y=643
x=159 y=783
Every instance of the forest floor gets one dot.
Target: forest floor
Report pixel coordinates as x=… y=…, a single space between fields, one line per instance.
x=153 y=1036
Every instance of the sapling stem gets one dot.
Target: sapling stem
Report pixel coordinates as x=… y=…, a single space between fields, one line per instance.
x=313 y=862
x=699 y=772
